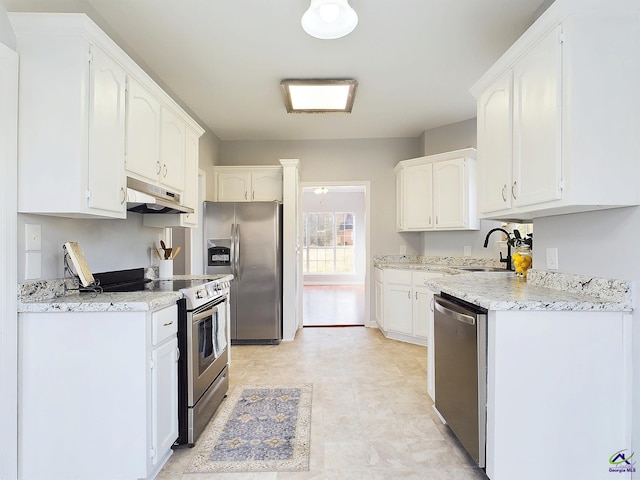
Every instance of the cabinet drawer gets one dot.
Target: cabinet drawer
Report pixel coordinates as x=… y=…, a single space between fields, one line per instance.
x=420 y=277
x=164 y=324
x=397 y=276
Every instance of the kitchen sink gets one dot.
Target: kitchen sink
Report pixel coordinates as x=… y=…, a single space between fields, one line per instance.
x=482 y=269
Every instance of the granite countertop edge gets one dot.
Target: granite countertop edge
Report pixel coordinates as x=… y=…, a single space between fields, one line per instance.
x=61 y=295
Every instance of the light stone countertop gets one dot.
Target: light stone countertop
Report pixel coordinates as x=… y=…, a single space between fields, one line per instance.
x=502 y=291
x=32 y=299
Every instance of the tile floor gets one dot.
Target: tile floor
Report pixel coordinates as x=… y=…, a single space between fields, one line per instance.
x=325 y=305
x=371 y=416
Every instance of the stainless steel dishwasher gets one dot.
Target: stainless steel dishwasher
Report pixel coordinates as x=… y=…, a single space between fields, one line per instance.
x=460 y=343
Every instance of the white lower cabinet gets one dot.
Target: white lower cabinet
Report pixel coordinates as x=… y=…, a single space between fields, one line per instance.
x=558 y=386
x=405 y=304
x=97 y=394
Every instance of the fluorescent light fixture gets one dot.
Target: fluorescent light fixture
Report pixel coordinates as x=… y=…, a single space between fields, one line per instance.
x=329 y=19
x=318 y=96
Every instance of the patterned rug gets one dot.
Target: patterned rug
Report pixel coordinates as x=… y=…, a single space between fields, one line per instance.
x=258 y=428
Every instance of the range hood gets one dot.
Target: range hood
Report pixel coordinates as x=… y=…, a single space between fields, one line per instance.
x=143 y=197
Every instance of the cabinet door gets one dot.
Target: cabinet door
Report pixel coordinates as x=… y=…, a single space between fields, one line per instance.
x=449 y=194
x=164 y=398
x=537 y=123
x=417 y=197
x=172 y=150
x=234 y=187
x=400 y=200
x=421 y=298
x=143 y=132
x=106 y=182
x=380 y=305
x=495 y=145
x=266 y=186
x=398 y=309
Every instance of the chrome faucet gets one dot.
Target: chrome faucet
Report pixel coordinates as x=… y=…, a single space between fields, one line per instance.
x=506 y=260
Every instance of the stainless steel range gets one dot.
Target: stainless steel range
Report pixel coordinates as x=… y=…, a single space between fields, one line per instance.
x=203 y=341
x=203 y=334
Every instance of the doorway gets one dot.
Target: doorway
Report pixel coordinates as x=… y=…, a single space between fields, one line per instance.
x=334 y=244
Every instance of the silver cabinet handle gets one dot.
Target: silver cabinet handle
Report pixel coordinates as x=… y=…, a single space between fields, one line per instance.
x=166 y=170
x=167 y=324
x=513 y=190
x=431 y=304
x=245 y=194
x=123 y=194
x=253 y=195
x=504 y=192
x=158 y=168
x=177 y=354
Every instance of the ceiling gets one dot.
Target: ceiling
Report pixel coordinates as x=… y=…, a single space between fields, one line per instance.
x=414 y=60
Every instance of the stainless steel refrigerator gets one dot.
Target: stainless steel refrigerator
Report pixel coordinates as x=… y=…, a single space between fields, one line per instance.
x=245 y=240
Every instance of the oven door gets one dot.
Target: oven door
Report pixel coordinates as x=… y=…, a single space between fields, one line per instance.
x=207 y=347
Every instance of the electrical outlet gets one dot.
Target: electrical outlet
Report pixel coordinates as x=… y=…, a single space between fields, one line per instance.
x=403 y=249
x=552 y=258
x=467 y=250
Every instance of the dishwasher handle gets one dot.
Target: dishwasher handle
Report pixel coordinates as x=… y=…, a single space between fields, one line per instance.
x=452 y=310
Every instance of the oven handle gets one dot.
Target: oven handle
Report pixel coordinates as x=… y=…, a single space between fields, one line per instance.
x=209 y=308
x=206 y=313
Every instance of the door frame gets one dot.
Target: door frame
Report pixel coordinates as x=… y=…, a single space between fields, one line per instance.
x=368 y=321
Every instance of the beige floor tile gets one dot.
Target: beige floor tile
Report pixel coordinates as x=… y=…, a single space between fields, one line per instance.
x=371 y=416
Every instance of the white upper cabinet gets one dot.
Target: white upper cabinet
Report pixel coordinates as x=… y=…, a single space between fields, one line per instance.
x=143 y=132
x=557 y=115
x=172 y=149
x=88 y=118
x=248 y=184
x=106 y=179
x=71 y=124
x=437 y=192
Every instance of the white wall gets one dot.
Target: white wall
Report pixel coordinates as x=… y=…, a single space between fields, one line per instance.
x=343 y=161
x=341 y=202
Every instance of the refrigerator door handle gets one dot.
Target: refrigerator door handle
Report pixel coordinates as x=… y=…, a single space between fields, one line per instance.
x=237 y=251
x=232 y=253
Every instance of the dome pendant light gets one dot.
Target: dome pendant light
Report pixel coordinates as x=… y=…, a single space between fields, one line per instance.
x=329 y=19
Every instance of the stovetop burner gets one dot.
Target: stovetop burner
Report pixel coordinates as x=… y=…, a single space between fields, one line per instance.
x=197 y=291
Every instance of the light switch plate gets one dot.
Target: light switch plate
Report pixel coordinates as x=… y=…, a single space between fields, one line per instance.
x=403 y=249
x=32 y=237
x=33 y=265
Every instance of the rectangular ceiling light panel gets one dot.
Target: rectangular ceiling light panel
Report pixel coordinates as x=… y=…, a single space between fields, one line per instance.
x=318 y=96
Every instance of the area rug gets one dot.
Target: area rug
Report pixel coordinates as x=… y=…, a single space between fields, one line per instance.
x=258 y=428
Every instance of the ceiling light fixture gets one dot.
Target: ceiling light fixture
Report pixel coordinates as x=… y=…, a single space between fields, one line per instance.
x=319 y=96
x=329 y=19
x=321 y=190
